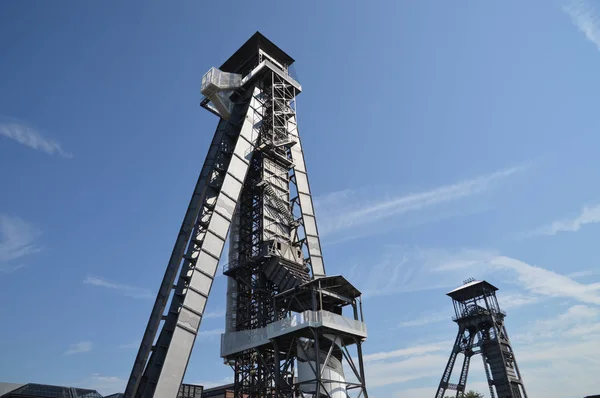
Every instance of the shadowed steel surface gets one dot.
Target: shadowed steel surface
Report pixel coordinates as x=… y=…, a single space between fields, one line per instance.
x=254 y=182
x=481 y=330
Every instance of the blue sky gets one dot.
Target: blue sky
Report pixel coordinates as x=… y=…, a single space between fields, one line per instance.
x=443 y=141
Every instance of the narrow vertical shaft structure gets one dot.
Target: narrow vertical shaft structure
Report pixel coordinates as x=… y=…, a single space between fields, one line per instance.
x=481 y=330
x=284 y=315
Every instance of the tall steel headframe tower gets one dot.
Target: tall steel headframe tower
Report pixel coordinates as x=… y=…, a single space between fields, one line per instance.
x=286 y=334
x=481 y=330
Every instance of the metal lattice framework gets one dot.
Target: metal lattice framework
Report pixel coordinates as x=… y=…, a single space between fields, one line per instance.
x=254 y=187
x=481 y=330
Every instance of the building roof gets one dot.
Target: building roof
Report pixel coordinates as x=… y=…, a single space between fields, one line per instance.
x=471 y=289
x=8 y=387
x=210 y=392
x=250 y=48
x=33 y=390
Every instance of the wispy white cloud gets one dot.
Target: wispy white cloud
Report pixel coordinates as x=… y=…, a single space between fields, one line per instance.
x=207 y=334
x=105 y=385
x=578 y=320
x=18 y=239
x=411 y=351
x=340 y=211
x=581 y=274
x=127 y=290
x=381 y=374
x=588 y=215
x=511 y=300
x=79 y=348
x=133 y=344
x=544 y=282
x=402 y=269
x=405 y=364
x=214 y=383
x=567 y=342
x=28 y=135
x=585 y=14
x=564 y=348
x=214 y=314
x=427 y=319
x=9 y=269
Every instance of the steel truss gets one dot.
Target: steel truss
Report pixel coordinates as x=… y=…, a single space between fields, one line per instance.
x=334 y=347
x=254 y=179
x=481 y=330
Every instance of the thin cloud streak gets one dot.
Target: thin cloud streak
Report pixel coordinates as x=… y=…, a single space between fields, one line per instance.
x=536 y=280
x=544 y=282
x=79 y=348
x=427 y=319
x=342 y=210
x=586 y=16
x=17 y=240
x=406 y=269
x=9 y=269
x=563 y=345
x=214 y=383
x=210 y=333
x=134 y=344
x=403 y=270
x=127 y=290
x=31 y=137
x=105 y=385
x=214 y=314
x=409 y=351
x=588 y=215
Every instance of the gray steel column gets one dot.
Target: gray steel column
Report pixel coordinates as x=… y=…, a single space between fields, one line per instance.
x=231 y=295
x=211 y=210
x=208 y=251
x=309 y=221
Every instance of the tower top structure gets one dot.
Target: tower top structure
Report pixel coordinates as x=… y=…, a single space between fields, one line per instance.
x=286 y=333
x=248 y=55
x=472 y=289
x=481 y=330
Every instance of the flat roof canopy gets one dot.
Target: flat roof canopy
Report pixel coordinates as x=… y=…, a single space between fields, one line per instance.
x=250 y=48
x=339 y=287
x=471 y=290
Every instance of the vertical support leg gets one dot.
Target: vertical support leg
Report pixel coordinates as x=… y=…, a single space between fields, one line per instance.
x=361 y=368
x=488 y=376
x=462 y=384
x=174 y=265
x=449 y=366
x=221 y=186
x=468 y=352
x=300 y=179
x=522 y=392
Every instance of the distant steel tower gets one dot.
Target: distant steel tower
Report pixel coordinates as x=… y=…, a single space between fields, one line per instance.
x=285 y=334
x=481 y=331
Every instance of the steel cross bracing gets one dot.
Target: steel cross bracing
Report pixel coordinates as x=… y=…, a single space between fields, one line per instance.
x=265 y=224
x=478 y=315
x=253 y=180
